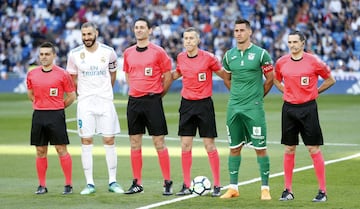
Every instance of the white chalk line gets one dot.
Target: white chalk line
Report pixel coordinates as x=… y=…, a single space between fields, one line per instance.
x=248 y=182
x=168 y=138
x=200 y=140
x=240 y=183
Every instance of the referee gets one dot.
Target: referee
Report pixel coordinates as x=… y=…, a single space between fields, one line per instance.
x=51 y=90
x=296 y=76
x=147 y=71
x=196 y=110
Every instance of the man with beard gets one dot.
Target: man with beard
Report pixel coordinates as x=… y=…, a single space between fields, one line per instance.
x=246 y=65
x=93 y=68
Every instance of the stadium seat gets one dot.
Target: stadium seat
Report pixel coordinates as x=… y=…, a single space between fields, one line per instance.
x=273 y=3
x=357 y=44
x=338 y=36
x=357 y=53
x=246 y=10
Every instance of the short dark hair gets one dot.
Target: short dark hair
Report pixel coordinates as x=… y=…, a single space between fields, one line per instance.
x=193 y=29
x=190 y=29
x=48 y=45
x=243 y=21
x=299 y=33
x=148 y=24
x=89 y=25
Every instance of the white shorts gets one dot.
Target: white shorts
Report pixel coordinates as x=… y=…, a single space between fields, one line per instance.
x=96 y=115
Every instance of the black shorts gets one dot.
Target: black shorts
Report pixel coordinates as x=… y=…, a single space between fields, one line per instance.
x=146 y=111
x=48 y=126
x=303 y=119
x=197 y=114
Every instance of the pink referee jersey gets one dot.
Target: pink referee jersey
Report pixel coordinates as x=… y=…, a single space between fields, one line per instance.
x=145 y=69
x=49 y=87
x=300 y=77
x=197 y=74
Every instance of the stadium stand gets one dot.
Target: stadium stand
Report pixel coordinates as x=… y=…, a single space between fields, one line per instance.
x=27 y=23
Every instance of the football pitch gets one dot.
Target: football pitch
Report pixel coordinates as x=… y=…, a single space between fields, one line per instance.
x=339 y=118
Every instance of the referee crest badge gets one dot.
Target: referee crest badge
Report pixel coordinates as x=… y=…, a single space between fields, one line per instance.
x=53 y=92
x=202 y=76
x=305 y=81
x=148 y=71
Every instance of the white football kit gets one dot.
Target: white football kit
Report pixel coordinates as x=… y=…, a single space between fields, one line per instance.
x=96 y=113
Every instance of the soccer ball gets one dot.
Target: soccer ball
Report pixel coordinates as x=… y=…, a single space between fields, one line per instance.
x=200 y=185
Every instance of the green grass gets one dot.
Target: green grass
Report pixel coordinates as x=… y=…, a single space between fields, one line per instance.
x=339 y=115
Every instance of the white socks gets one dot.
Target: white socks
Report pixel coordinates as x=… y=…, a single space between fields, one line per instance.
x=87 y=162
x=111 y=160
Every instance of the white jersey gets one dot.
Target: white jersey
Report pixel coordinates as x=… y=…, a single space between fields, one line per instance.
x=93 y=70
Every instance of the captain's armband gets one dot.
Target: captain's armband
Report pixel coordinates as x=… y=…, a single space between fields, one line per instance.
x=267 y=68
x=113 y=65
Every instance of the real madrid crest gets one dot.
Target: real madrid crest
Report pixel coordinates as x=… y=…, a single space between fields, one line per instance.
x=82 y=55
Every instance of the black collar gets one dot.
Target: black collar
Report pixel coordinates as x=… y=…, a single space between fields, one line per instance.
x=141 y=49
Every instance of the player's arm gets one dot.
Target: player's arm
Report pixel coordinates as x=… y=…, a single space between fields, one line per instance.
x=69 y=98
x=268 y=71
x=74 y=78
x=127 y=78
x=113 y=67
x=227 y=79
x=30 y=95
x=220 y=73
x=269 y=81
x=175 y=75
x=326 y=84
x=227 y=73
x=279 y=85
x=278 y=78
x=167 y=80
x=113 y=78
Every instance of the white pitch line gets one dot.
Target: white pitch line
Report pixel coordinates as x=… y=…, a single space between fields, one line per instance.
x=221 y=140
x=248 y=182
x=217 y=140
x=70 y=120
x=240 y=183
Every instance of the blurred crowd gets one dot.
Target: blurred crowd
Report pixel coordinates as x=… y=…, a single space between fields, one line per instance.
x=331 y=26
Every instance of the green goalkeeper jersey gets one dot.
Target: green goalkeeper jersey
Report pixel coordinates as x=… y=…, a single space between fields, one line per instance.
x=246 y=71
